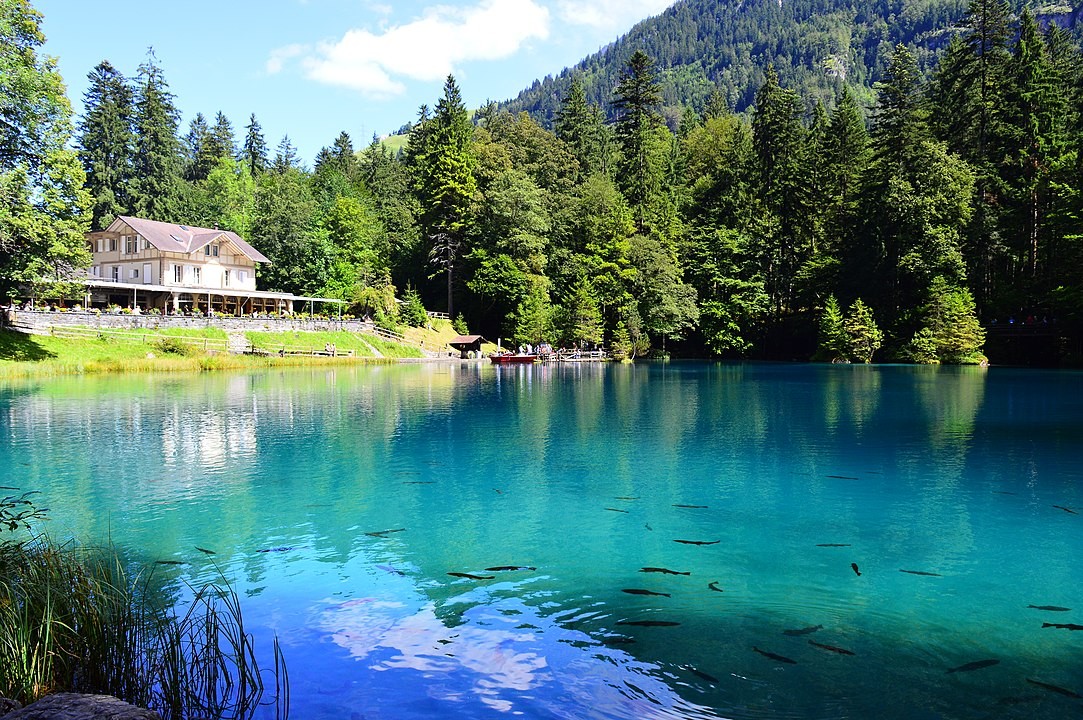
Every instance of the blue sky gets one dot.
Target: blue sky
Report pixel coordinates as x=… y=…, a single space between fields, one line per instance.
x=313 y=68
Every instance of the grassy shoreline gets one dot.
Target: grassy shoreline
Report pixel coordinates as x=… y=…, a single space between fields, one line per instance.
x=41 y=356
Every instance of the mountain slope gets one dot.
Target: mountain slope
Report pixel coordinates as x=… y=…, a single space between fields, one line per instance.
x=815 y=45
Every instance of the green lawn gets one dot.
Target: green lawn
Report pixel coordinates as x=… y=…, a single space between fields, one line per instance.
x=316 y=341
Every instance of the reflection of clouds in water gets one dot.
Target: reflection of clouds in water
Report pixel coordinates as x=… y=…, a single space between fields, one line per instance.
x=501 y=666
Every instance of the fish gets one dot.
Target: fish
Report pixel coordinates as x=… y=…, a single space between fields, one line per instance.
x=843 y=477
x=1050 y=608
x=976 y=665
x=856 y=571
x=664 y=571
x=205 y=550
x=506 y=568
x=1055 y=688
x=1067 y=510
x=833 y=545
x=698 y=542
x=922 y=572
x=692 y=507
x=383 y=533
x=1004 y=492
x=649 y=623
x=276 y=549
x=648 y=526
x=640 y=591
x=626 y=497
x=1063 y=626
x=616 y=510
x=774 y=656
x=168 y=562
x=469 y=576
x=498 y=491
x=618 y=640
x=832 y=648
x=713 y=585
x=418 y=482
x=393 y=571
x=803 y=631
x=699 y=673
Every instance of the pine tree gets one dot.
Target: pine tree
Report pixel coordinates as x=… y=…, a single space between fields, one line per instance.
x=156 y=184
x=254 y=152
x=220 y=141
x=444 y=164
x=834 y=344
x=862 y=334
x=638 y=98
x=285 y=156
x=106 y=143
x=198 y=159
x=577 y=125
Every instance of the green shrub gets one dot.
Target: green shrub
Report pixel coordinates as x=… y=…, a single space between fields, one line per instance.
x=173 y=346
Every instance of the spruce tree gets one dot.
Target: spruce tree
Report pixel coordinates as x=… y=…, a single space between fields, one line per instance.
x=636 y=105
x=220 y=141
x=285 y=156
x=197 y=157
x=862 y=334
x=834 y=344
x=106 y=143
x=577 y=125
x=156 y=183
x=254 y=152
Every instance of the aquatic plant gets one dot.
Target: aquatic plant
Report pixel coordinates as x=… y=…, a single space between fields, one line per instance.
x=77 y=618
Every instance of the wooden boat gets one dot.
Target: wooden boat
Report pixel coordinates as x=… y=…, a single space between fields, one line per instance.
x=513 y=358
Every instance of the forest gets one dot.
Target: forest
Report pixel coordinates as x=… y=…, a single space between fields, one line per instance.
x=892 y=224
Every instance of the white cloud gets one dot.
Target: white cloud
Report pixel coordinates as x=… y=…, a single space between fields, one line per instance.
x=427 y=48
x=609 y=14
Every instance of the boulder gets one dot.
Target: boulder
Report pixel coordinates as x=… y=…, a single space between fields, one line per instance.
x=74 y=706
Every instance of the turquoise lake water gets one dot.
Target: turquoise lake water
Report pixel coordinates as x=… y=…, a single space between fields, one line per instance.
x=581 y=476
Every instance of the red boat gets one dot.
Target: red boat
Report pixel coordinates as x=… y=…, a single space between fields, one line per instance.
x=513 y=358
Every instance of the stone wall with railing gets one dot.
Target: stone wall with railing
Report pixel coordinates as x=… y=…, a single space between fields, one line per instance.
x=39 y=321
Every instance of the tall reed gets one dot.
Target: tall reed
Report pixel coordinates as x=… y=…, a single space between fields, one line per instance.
x=75 y=619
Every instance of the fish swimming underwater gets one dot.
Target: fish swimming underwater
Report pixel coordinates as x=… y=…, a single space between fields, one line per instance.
x=832 y=648
x=168 y=562
x=1063 y=626
x=857 y=572
x=843 y=477
x=617 y=510
x=692 y=507
x=1049 y=608
x=1055 y=688
x=665 y=571
x=921 y=572
x=649 y=623
x=698 y=542
x=506 y=568
x=833 y=545
x=699 y=673
x=976 y=665
x=803 y=631
x=469 y=576
x=774 y=656
x=1067 y=510
x=383 y=533
x=713 y=585
x=284 y=548
x=640 y=591
x=205 y=550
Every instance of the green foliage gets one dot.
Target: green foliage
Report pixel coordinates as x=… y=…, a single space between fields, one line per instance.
x=412 y=312
x=862 y=334
x=43 y=204
x=459 y=325
x=951 y=332
x=156 y=181
x=106 y=143
x=834 y=344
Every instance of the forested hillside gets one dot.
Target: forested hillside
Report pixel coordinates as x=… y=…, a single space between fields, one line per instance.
x=703 y=45
x=901 y=228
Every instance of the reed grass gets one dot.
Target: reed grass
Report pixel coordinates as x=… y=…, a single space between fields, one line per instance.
x=75 y=618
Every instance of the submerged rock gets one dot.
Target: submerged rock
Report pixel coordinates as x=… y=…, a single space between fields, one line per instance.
x=73 y=706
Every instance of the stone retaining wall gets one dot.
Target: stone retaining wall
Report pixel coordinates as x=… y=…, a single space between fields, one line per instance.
x=37 y=321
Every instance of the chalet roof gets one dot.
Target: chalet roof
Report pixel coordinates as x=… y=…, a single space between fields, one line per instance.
x=169 y=237
x=459 y=340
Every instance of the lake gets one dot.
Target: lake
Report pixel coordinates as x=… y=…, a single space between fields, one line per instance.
x=840 y=541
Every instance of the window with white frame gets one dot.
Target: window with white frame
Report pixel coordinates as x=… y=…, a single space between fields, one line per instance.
x=116 y=273
x=97 y=271
x=197 y=275
x=129 y=245
x=225 y=278
x=242 y=275
x=178 y=274
x=214 y=250
x=135 y=273
x=112 y=244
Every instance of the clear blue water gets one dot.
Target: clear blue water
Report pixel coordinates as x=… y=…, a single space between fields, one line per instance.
x=578 y=472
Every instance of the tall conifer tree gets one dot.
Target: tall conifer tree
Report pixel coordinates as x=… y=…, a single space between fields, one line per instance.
x=106 y=143
x=157 y=150
x=254 y=151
